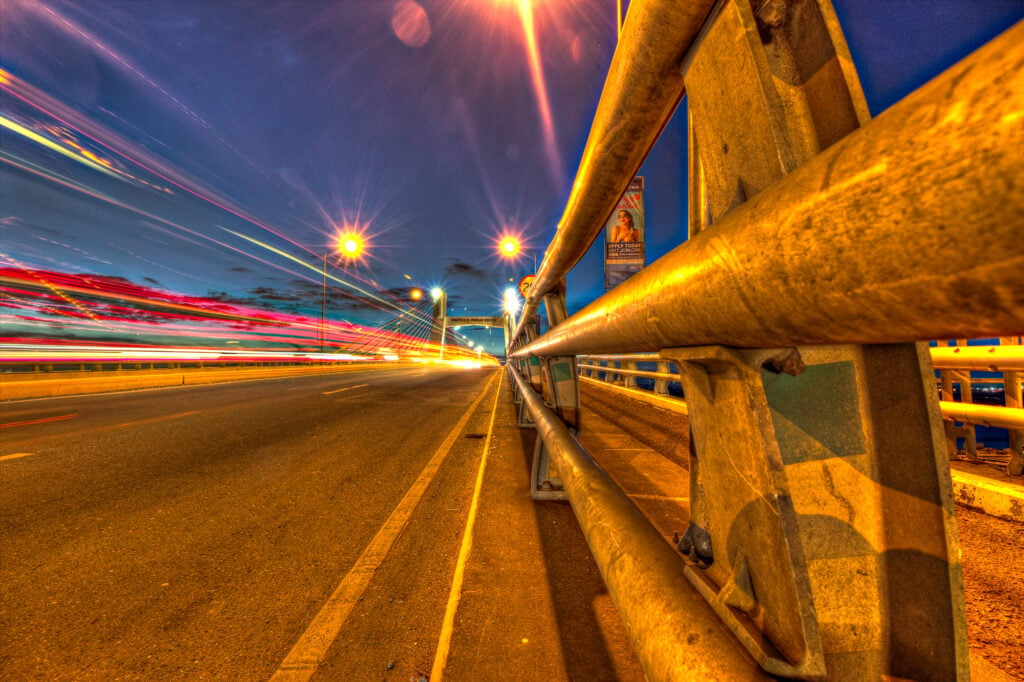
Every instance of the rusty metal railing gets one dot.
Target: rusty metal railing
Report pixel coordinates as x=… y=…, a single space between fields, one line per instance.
x=822 y=528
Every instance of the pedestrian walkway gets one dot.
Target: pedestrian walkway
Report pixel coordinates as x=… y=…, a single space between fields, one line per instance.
x=533 y=604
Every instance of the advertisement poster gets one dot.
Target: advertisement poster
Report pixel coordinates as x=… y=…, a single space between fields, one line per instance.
x=624 y=236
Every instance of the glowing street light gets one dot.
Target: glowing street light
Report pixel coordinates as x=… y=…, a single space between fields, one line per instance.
x=510 y=247
x=416 y=294
x=511 y=304
x=351 y=245
x=436 y=293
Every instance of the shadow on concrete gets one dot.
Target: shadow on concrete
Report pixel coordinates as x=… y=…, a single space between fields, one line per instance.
x=582 y=605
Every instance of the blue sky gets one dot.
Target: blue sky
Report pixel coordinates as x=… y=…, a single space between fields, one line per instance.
x=234 y=138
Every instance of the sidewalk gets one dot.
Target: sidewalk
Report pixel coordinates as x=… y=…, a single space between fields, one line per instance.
x=534 y=605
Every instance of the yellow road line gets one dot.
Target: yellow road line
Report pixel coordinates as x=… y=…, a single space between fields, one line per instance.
x=302 y=661
x=448 y=626
x=347 y=388
x=16 y=455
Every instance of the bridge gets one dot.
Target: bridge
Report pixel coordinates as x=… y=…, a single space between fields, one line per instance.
x=790 y=515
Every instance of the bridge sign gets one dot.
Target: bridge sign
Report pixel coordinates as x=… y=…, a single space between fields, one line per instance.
x=524 y=285
x=476 y=322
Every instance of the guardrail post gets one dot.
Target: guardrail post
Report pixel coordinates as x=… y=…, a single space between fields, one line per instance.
x=560 y=390
x=812 y=462
x=967 y=431
x=1013 y=398
x=629 y=380
x=532 y=371
x=821 y=473
x=661 y=385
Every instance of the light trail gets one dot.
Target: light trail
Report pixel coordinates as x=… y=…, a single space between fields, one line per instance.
x=50 y=144
x=525 y=8
x=394 y=303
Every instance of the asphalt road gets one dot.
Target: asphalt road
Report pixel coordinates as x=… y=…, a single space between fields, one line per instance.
x=196 y=532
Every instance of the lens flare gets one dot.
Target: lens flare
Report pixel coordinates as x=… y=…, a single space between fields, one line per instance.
x=410 y=23
x=525 y=8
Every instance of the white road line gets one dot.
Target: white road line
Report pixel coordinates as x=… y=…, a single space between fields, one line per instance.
x=347 y=388
x=304 y=658
x=448 y=626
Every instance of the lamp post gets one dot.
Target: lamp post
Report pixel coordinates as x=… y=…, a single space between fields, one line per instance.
x=323 y=305
x=441 y=303
x=350 y=246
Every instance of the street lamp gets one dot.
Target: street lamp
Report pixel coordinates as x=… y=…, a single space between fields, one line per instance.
x=349 y=245
x=510 y=247
x=511 y=303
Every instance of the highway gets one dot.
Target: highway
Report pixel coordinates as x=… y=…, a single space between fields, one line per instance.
x=239 y=531
x=197 y=531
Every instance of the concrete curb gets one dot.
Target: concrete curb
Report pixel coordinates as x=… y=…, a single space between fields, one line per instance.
x=662 y=401
x=995 y=498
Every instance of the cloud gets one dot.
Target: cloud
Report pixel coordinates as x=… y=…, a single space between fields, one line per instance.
x=269 y=294
x=465 y=270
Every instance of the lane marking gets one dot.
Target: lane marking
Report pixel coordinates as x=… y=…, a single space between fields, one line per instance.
x=16 y=455
x=38 y=421
x=455 y=595
x=153 y=420
x=347 y=388
x=100 y=429
x=304 y=658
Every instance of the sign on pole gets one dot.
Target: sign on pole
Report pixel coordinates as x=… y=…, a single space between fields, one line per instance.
x=624 y=252
x=524 y=285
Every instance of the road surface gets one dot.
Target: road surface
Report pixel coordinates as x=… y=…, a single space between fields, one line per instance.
x=197 y=532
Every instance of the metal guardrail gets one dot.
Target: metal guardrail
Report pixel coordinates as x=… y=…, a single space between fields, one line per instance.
x=982 y=358
x=643 y=574
x=822 y=529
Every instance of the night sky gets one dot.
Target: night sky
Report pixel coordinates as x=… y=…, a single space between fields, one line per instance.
x=212 y=150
